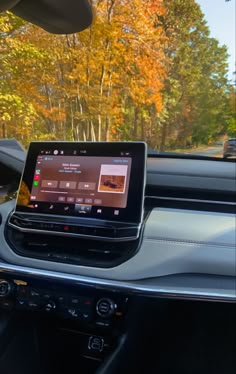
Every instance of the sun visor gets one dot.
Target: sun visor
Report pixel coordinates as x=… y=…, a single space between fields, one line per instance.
x=7 y=4
x=54 y=16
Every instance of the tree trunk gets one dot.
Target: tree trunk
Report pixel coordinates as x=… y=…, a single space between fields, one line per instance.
x=164 y=131
x=142 y=129
x=107 y=135
x=99 y=127
x=4 y=131
x=135 y=128
x=72 y=122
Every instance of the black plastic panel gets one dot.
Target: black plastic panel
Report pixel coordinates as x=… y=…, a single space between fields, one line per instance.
x=70 y=250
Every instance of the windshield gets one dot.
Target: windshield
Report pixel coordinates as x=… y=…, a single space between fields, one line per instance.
x=161 y=71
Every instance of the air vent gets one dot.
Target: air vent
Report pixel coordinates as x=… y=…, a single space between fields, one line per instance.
x=70 y=250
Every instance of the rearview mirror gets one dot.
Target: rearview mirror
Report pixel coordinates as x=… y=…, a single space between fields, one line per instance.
x=54 y=16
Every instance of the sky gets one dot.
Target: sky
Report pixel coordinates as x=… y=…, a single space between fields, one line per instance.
x=220 y=16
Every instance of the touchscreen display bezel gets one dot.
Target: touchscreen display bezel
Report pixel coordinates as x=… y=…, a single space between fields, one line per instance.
x=137 y=151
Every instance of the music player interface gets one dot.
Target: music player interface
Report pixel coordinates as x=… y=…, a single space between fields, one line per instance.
x=81 y=180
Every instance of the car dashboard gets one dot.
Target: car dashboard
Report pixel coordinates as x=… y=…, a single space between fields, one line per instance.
x=185 y=250
x=92 y=282
x=188 y=237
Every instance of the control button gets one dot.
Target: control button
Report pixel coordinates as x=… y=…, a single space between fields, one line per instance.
x=86 y=304
x=106 y=307
x=98 y=202
x=88 y=201
x=50 y=306
x=70 y=200
x=19 y=282
x=5 y=288
x=75 y=300
x=61 y=199
x=49 y=183
x=73 y=312
x=67 y=185
x=46 y=296
x=56 y=227
x=26 y=223
x=34 y=293
x=83 y=209
x=58 y=256
x=96 y=344
x=15 y=221
x=79 y=200
x=7 y=304
x=126 y=233
x=85 y=230
x=86 y=316
x=33 y=305
x=91 y=231
x=87 y=186
x=103 y=323
x=21 y=303
x=105 y=232
x=62 y=299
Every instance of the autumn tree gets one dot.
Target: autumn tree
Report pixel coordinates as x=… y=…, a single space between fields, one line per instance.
x=196 y=83
x=145 y=69
x=16 y=110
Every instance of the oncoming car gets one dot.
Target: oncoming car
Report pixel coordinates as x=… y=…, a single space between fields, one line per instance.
x=230 y=148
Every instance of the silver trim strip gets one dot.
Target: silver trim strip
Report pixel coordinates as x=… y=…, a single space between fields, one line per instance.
x=118 y=286
x=91 y=237
x=191 y=200
x=68 y=220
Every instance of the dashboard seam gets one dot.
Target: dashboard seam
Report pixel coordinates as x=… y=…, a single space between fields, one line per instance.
x=189 y=175
x=190 y=242
x=191 y=200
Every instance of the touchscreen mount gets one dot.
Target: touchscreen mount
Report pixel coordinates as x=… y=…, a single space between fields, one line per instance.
x=82 y=184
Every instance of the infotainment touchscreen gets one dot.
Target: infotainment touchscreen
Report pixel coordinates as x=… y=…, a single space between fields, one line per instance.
x=96 y=180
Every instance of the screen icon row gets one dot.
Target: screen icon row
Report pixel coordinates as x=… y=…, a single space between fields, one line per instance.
x=77 y=208
x=79 y=200
x=66 y=185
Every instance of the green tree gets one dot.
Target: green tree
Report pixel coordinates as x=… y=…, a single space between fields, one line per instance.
x=196 y=83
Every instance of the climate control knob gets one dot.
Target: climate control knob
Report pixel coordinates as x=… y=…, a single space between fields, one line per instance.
x=50 y=306
x=6 y=288
x=106 y=307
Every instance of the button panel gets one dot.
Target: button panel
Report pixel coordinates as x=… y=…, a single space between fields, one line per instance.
x=6 y=288
x=106 y=233
x=106 y=307
x=96 y=343
x=93 y=310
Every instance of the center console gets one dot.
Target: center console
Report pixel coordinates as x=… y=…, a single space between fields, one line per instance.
x=90 y=308
x=78 y=202
x=73 y=325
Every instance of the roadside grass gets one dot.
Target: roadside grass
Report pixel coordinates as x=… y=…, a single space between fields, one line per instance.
x=196 y=149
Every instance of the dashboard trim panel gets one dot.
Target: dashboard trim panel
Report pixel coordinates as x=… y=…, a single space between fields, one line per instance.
x=121 y=239
x=181 y=199
x=118 y=286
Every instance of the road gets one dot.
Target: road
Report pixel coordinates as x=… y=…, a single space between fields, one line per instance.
x=215 y=151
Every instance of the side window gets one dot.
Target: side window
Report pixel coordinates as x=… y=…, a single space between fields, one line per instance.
x=9 y=181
